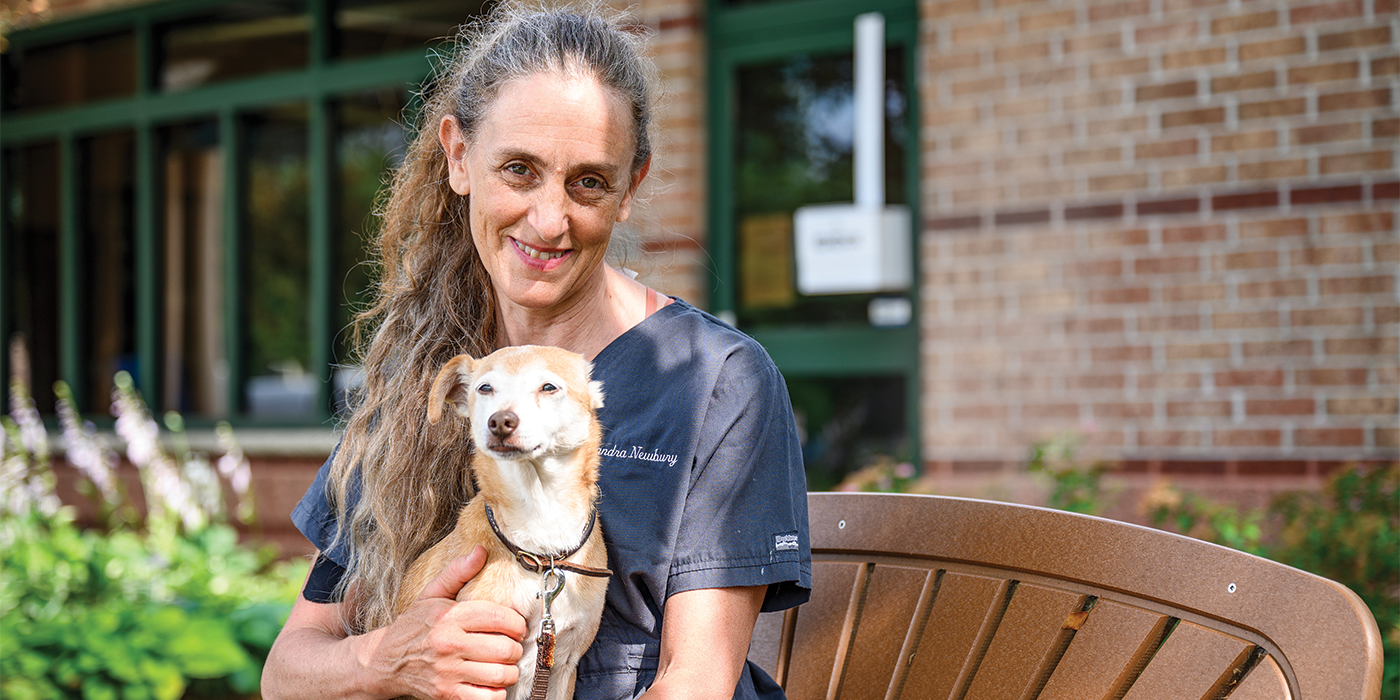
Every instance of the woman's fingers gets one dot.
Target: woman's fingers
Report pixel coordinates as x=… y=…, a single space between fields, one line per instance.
x=455 y=575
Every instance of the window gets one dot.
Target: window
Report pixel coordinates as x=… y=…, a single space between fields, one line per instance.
x=204 y=228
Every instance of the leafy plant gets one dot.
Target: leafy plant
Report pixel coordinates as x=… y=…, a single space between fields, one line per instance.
x=1075 y=486
x=157 y=605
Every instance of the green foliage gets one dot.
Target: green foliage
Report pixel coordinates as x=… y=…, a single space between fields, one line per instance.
x=1075 y=486
x=147 y=609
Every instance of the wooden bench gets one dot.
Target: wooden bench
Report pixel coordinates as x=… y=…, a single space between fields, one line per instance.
x=934 y=597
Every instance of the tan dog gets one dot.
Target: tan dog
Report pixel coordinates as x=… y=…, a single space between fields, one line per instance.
x=536 y=467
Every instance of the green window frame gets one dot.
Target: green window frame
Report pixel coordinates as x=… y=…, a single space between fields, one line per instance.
x=745 y=32
x=323 y=80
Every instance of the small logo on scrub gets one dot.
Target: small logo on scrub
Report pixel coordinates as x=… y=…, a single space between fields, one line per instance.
x=785 y=541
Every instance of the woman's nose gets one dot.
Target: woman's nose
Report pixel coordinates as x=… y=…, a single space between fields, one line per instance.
x=549 y=214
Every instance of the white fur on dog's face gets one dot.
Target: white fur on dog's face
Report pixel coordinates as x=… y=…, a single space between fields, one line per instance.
x=546 y=389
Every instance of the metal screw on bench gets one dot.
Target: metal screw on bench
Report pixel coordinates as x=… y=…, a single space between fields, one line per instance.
x=1230 y=588
x=841 y=525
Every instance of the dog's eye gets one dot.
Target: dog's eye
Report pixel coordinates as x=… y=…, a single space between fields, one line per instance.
x=549 y=388
x=484 y=389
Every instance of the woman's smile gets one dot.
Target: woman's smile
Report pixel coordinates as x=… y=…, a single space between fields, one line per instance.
x=544 y=257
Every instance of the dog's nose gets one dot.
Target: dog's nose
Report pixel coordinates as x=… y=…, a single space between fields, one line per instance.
x=502 y=423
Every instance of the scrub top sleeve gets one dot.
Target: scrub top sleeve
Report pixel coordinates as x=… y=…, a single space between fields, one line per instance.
x=745 y=516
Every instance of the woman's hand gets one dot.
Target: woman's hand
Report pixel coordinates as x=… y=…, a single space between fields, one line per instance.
x=437 y=649
x=705 y=638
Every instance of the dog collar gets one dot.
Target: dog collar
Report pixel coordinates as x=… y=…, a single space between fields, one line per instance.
x=540 y=563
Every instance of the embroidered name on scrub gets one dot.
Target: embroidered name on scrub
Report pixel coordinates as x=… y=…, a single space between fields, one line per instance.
x=638 y=452
x=784 y=542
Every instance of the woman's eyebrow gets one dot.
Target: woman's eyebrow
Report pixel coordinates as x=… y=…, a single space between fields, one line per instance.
x=602 y=168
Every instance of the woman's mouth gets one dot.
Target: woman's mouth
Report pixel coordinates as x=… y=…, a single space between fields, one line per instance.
x=538 y=254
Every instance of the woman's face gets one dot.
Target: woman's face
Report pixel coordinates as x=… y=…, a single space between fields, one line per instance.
x=549 y=173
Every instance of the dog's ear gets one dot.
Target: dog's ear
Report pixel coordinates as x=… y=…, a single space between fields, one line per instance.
x=450 y=386
x=595 y=392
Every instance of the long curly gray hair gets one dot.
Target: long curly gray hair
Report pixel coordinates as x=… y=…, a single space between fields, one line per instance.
x=433 y=299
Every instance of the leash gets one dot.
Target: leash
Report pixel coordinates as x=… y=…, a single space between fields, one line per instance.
x=542 y=563
x=551 y=565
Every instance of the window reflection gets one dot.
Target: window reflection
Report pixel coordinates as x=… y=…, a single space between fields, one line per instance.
x=32 y=275
x=793 y=146
x=369 y=27
x=195 y=368
x=371 y=145
x=108 y=258
x=239 y=39
x=277 y=349
x=73 y=73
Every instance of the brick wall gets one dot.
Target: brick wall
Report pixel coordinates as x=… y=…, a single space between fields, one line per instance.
x=1168 y=224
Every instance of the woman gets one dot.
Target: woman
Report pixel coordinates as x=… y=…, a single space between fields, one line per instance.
x=534 y=144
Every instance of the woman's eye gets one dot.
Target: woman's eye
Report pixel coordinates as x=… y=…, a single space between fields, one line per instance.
x=549 y=388
x=591 y=183
x=484 y=389
x=518 y=169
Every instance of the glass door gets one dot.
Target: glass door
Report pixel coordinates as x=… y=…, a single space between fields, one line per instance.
x=783 y=126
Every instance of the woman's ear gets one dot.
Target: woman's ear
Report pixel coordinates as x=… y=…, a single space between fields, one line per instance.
x=454 y=144
x=625 y=209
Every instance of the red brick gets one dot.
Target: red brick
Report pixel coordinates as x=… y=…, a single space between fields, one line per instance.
x=1363 y=406
x=1371 y=36
x=1386 y=253
x=1178 y=323
x=1106 y=154
x=1189 y=409
x=1100 y=70
x=1332 y=255
x=1096 y=382
x=979 y=413
x=1126 y=353
x=977 y=85
x=1385 y=128
x=1385 y=314
x=1360 y=346
x=1303 y=75
x=1280 y=407
x=1117 y=125
x=1273 y=108
x=951 y=116
x=1092 y=100
x=1243 y=23
x=1119 y=238
x=1041 y=77
x=1249 y=377
x=1173 y=178
x=1356 y=162
x=942 y=62
x=1354 y=376
x=1054 y=19
x=1022 y=52
x=1328 y=317
x=1246 y=438
x=1193 y=117
x=1123 y=411
x=1124 y=295
x=1362 y=99
x=1198 y=351
x=1166 y=149
x=1052 y=132
x=1325 y=11
x=1377 y=284
x=1118 y=183
x=1329 y=437
x=1193 y=58
x=1273 y=48
x=1093 y=42
x=1244 y=319
x=1325 y=195
x=1178 y=32
x=1385 y=65
x=1169 y=381
x=1247 y=260
x=1168 y=438
x=1167 y=265
x=1050 y=411
x=1249 y=199
x=1324 y=133
x=1193 y=234
x=1166 y=91
x=1277 y=348
x=1193 y=292
x=1273 y=169
x=979 y=31
x=949 y=8
x=1276 y=228
x=1364 y=222
x=1272 y=289
x=1387 y=437
x=1034 y=106
x=1245 y=141
x=1112 y=11
x=1094 y=325
x=1247 y=81
x=1093 y=268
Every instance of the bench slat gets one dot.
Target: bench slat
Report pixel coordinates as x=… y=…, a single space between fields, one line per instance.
x=1194 y=662
x=1029 y=639
x=822 y=629
x=964 y=613
x=1265 y=682
x=1114 y=640
x=889 y=612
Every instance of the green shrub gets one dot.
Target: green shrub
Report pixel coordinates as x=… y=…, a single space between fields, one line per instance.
x=156 y=606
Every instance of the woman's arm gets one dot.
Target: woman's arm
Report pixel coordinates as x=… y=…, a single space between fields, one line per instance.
x=705 y=637
x=438 y=648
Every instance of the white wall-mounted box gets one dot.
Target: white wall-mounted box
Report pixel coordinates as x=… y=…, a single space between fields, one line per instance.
x=846 y=249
